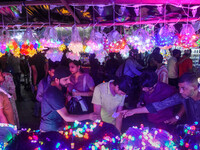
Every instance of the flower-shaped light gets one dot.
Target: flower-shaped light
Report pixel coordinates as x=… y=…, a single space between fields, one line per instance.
x=95 y=42
x=75 y=45
x=73 y=56
x=141 y=40
x=54 y=55
x=166 y=36
x=187 y=37
x=50 y=38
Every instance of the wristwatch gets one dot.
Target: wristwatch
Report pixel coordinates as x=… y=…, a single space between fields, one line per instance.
x=177 y=117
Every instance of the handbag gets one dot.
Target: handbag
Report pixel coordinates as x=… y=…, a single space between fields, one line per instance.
x=78 y=104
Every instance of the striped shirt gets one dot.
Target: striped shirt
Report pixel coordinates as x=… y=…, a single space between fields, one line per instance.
x=162 y=74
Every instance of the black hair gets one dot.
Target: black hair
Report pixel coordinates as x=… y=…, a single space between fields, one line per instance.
x=176 y=51
x=75 y=62
x=157 y=57
x=156 y=50
x=189 y=77
x=124 y=83
x=148 y=79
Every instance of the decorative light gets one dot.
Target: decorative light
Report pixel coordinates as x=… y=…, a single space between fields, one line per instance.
x=73 y=56
x=54 y=55
x=75 y=45
x=166 y=36
x=187 y=38
x=141 y=40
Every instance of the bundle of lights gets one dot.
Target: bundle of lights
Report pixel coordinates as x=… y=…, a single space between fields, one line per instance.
x=187 y=38
x=75 y=45
x=50 y=38
x=54 y=55
x=4 y=40
x=73 y=56
x=189 y=136
x=95 y=42
x=141 y=40
x=166 y=36
x=143 y=138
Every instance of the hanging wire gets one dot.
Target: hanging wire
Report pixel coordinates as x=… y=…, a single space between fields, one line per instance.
x=49 y=15
x=2 y=20
x=27 y=16
x=114 y=16
x=74 y=15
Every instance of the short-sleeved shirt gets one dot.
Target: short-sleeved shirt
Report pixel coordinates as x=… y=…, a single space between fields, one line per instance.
x=109 y=103
x=7 y=108
x=162 y=74
x=38 y=61
x=185 y=66
x=172 y=68
x=79 y=86
x=53 y=100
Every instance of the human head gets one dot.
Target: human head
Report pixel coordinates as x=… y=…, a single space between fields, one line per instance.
x=112 y=55
x=122 y=85
x=156 y=50
x=176 y=53
x=61 y=76
x=188 y=85
x=51 y=70
x=133 y=53
x=157 y=58
x=187 y=52
x=148 y=80
x=74 y=66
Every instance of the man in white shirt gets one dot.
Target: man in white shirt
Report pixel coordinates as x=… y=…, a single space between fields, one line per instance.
x=172 y=67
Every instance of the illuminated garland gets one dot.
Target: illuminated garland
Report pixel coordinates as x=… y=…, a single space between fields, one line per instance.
x=187 y=38
x=189 y=136
x=79 y=136
x=54 y=55
x=141 y=40
x=142 y=138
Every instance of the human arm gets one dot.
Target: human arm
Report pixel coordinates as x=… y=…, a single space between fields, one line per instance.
x=131 y=66
x=2 y=117
x=141 y=110
x=89 y=93
x=97 y=109
x=71 y=118
x=40 y=91
x=34 y=72
x=164 y=77
x=118 y=123
x=174 y=120
x=10 y=85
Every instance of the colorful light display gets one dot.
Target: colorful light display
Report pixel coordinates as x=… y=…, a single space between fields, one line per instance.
x=141 y=40
x=143 y=138
x=166 y=36
x=187 y=38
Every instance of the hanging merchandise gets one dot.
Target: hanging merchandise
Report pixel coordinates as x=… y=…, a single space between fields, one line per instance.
x=54 y=55
x=95 y=42
x=166 y=36
x=141 y=40
x=187 y=38
x=73 y=56
x=50 y=38
x=4 y=40
x=75 y=45
x=100 y=56
x=166 y=54
x=30 y=44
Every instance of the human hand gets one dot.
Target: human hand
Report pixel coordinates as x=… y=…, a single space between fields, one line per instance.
x=126 y=113
x=94 y=116
x=171 y=121
x=76 y=93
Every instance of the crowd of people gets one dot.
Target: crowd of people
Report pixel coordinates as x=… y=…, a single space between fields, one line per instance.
x=63 y=92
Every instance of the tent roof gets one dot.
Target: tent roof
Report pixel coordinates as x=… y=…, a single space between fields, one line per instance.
x=67 y=12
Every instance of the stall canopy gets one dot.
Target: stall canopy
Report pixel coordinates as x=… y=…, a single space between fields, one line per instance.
x=97 y=12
